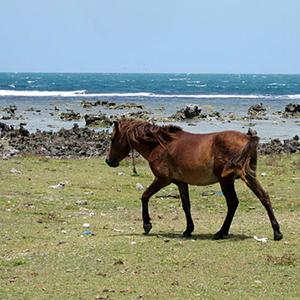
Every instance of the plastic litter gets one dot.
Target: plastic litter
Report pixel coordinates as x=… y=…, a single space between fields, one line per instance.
x=139 y=187
x=15 y=171
x=86 y=232
x=61 y=185
x=89 y=193
x=81 y=202
x=263 y=240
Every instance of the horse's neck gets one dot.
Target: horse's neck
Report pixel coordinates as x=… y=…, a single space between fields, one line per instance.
x=144 y=148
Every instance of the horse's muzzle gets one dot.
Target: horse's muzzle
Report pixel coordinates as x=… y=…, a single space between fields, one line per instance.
x=112 y=162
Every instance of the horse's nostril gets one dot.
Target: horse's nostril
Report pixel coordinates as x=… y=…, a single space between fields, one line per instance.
x=112 y=162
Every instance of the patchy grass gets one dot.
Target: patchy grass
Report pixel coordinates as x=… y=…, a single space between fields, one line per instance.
x=44 y=253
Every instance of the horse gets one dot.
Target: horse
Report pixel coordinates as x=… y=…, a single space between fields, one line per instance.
x=183 y=158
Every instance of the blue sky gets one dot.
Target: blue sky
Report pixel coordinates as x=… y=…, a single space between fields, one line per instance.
x=159 y=36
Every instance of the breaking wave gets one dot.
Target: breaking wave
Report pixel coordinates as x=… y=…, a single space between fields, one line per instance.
x=82 y=93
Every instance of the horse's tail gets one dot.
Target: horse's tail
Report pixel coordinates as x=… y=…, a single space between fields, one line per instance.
x=244 y=162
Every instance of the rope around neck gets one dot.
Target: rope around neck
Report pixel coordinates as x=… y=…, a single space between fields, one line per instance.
x=132 y=155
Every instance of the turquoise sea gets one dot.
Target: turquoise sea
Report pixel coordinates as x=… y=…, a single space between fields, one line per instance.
x=223 y=92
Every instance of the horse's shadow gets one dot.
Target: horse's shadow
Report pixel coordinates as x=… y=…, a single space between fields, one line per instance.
x=179 y=236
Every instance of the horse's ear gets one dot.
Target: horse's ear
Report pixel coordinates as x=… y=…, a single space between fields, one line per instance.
x=116 y=124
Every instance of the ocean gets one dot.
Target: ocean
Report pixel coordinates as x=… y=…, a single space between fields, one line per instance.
x=36 y=95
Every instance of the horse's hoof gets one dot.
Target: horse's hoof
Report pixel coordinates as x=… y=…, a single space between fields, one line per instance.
x=218 y=236
x=186 y=234
x=278 y=236
x=147 y=228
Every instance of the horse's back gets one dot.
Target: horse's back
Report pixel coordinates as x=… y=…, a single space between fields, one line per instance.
x=229 y=143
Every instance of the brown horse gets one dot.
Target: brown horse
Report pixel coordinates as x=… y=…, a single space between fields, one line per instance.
x=180 y=157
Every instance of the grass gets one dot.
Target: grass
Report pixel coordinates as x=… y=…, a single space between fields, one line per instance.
x=44 y=254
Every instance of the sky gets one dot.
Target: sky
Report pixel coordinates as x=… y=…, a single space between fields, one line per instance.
x=150 y=36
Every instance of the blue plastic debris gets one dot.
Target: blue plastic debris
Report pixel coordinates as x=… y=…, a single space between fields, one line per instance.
x=86 y=232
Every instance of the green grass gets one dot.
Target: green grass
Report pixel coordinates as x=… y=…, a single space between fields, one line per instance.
x=43 y=254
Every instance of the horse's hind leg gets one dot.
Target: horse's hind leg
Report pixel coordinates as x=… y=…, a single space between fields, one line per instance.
x=151 y=190
x=228 y=190
x=263 y=196
x=186 y=205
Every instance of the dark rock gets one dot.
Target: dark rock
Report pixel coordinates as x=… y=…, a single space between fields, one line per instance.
x=70 y=115
x=191 y=111
x=11 y=110
x=125 y=106
x=4 y=128
x=292 y=110
x=96 y=103
x=275 y=146
x=141 y=115
x=86 y=104
x=76 y=142
x=257 y=110
x=89 y=104
x=251 y=132
x=23 y=131
x=11 y=113
x=99 y=120
x=214 y=114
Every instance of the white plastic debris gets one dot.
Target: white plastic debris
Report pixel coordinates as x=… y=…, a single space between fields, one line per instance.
x=139 y=187
x=263 y=174
x=133 y=243
x=15 y=171
x=263 y=240
x=118 y=230
x=61 y=185
x=81 y=202
x=89 y=193
x=86 y=225
x=64 y=231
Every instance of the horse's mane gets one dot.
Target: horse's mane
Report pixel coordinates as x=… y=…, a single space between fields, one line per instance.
x=142 y=130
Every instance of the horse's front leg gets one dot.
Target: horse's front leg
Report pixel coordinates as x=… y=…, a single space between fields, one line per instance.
x=186 y=205
x=151 y=190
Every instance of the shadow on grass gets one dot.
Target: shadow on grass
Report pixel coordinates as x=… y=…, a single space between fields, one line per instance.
x=178 y=235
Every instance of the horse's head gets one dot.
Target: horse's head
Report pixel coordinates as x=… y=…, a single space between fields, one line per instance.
x=119 y=147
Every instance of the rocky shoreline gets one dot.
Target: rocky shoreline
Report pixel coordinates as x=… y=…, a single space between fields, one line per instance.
x=73 y=143
x=85 y=142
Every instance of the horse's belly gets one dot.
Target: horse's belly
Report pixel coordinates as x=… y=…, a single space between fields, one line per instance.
x=192 y=162
x=196 y=177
